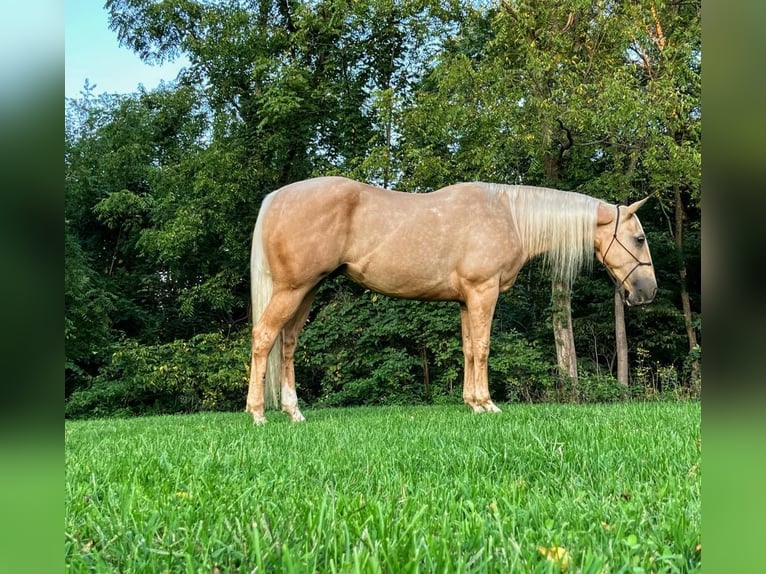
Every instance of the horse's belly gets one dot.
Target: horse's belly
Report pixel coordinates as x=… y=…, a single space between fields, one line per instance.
x=405 y=283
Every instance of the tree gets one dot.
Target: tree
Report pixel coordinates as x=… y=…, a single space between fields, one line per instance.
x=666 y=49
x=87 y=322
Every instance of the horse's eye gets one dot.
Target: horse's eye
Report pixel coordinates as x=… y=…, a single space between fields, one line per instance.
x=640 y=238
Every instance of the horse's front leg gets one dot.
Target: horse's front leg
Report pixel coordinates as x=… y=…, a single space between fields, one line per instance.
x=480 y=305
x=469 y=381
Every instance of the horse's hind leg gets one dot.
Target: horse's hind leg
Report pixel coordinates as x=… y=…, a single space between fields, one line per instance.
x=289 y=342
x=278 y=312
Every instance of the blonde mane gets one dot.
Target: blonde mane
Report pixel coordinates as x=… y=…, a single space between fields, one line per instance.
x=560 y=225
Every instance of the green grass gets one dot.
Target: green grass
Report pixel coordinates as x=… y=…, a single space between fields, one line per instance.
x=410 y=489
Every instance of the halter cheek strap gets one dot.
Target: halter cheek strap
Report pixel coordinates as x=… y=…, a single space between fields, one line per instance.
x=638 y=264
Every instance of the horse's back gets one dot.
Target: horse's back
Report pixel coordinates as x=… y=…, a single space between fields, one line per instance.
x=344 y=195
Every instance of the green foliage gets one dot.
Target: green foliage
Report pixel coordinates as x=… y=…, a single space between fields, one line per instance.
x=121 y=158
x=206 y=372
x=87 y=307
x=395 y=489
x=519 y=368
x=601 y=388
x=654 y=380
x=365 y=348
x=122 y=209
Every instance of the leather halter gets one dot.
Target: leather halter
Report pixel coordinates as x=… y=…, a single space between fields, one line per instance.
x=638 y=264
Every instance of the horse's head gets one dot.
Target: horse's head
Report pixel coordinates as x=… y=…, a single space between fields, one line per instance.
x=621 y=246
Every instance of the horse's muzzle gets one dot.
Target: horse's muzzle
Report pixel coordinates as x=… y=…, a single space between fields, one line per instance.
x=640 y=293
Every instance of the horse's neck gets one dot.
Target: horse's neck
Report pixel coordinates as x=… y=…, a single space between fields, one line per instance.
x=556 y=224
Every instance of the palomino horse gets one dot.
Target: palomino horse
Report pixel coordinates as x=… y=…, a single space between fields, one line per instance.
x=464 y=243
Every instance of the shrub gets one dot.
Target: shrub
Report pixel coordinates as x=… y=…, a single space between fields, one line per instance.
x=207 y=372
x=600 y=388
x=518 y=369
x=361 y=348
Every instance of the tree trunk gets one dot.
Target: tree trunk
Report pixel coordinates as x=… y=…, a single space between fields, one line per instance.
x=620 y=338
x=561 y=294
x=685 y=303
x=563 y=334
x=426 y=372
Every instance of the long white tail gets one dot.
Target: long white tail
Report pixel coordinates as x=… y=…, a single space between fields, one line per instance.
x=260 y=293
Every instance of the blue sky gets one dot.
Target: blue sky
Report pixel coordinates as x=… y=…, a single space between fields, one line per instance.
x=92 y=52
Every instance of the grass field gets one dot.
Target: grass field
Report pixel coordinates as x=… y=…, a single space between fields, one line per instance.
x=606 y=488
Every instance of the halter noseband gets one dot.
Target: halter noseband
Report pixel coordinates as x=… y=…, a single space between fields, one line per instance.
x=638 y=264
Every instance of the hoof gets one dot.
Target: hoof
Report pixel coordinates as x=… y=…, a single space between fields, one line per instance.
x=297 y=416
x=294 y=413
x=490 y=407
x=477 y=408
x=258 y=419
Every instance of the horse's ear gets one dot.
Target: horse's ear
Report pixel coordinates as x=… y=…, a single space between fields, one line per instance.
x=633 y=207
x=606 y=213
